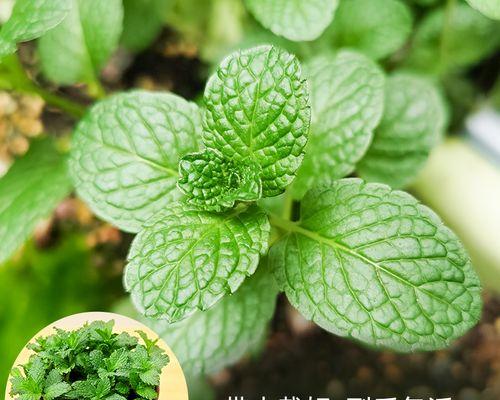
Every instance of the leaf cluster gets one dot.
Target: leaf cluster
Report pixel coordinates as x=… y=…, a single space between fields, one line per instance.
x=93 y=363
x=47 y=290
x=364 y=260
x=358 y=256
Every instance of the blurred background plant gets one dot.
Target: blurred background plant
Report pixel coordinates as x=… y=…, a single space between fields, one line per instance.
x=74 y=262
x=19 y=122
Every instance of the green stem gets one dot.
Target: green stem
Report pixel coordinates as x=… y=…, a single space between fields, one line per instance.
x=95 y=89
x=280 y=224
x=283 y=224
x=14 y=78
x=289 y=226
x=68 y=106
x=287 y=205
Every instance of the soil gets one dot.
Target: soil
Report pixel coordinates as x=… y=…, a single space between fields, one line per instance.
x=302 y=360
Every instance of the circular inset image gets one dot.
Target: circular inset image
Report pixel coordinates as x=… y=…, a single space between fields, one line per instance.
x=96 y=356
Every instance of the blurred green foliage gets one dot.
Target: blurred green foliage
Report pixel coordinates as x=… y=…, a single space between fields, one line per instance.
x=42 y=286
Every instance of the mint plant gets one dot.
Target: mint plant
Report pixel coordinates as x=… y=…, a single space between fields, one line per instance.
x=362 y=260
x=255 y=191
x=92 y=362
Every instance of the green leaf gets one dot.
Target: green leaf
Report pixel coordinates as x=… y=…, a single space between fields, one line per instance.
x=158 y=358
x=36 y=371
x=469 y=37
x=126 y=152
x=77 y=49
x=213 y=339
x=103 y=387
x=147 y=392
x=215 y=183
x=139 y=359
x=25 y=386
x=296 y=20
x=373 y=264
x=56 y=390
x=53 y=377
x=116 y=396
x=117 y=360
x=125 y=340
x=185 y=258
x=151 y=377
x=86 y=389
x=377 y=28
x=142 y=22
x=148 y=343
x=347 y=96
x=30 y=20
x=257 y=110
x=490 y=8
x=413 y=122
x=29 y=192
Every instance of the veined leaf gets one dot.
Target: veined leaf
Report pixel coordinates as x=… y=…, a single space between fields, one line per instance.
x=375 y=27
x=77 y=49
x=187 y=259
x=375 y=265
x=413 y=122
x=490 y=8
x=30 y=191
x=216 y=183
x=29 y=20
x=56 y=390
x=126 y=152
x=297 y=20
x=211 y=340
x=347 y=97
x=257 y=110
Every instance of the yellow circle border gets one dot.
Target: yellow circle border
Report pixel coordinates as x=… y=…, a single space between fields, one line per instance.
x=172 y=381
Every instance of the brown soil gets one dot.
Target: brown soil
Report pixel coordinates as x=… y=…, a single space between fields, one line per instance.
x=302 y=360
